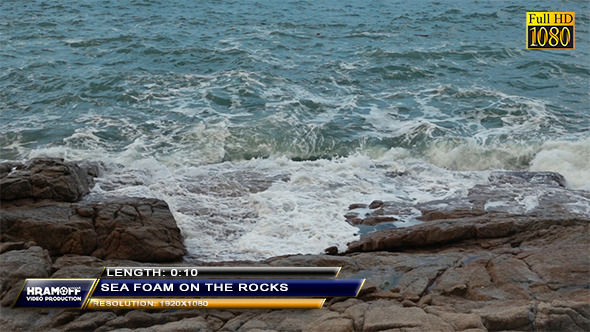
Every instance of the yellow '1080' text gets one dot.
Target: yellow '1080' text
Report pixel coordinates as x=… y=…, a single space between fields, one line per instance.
x=553 y=36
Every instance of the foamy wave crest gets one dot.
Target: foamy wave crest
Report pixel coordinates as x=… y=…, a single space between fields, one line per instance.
x=468 y=154
x=571 y=159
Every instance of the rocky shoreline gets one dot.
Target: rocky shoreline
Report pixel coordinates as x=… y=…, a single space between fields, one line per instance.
x=511 y=255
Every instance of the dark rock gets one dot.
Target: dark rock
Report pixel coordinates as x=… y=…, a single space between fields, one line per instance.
x=381 y=212
x=395 y=174
x=137 y=319
x=126 y=228
x=407 y=303
x=375 y=204
x=296 y=320
x=331 y=321
x=137 y=229
x=449 y=209
x=428 y=215
x=44 y=179
x=52 y=225
x=374 y=220
x=459 y=321
x=333 y=250
x=378 y=219
x=89 y=321
x=85 y=211
x=187 y=324
x=17 y=265
x=64 y=317
x=75 y=266
x=381 y=316
x=357 y=206
x=7 y=167
x=511 y=318
x=8 y=246
x=539 y=178
x=351 y=215
x=562 y=315
x=23 y=320
x=93 y=169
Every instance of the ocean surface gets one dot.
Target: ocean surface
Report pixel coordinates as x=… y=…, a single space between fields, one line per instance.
x=259 y=122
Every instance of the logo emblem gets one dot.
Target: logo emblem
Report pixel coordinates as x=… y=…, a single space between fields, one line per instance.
x=550 y=30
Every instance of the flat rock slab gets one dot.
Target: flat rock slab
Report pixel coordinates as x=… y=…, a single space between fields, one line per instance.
x=511 y=203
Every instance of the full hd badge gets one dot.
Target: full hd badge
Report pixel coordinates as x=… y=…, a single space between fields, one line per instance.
x=550 y=30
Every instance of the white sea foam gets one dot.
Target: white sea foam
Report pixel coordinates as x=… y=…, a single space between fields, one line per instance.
x=468 y=154
x=530 y=202
x=519 y=205
x=571 y=159
x=494 y=205
x=266 y=207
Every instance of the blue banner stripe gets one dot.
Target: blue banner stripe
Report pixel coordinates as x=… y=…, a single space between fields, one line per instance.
x=227 y=287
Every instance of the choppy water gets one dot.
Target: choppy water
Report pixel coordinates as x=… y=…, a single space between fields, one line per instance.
x=260 y=121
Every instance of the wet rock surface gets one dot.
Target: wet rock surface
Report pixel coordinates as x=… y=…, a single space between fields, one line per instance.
x=513 y=205
x=494 y=260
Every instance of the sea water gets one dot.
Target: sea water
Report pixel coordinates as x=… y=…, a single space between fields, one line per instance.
x=259 y=122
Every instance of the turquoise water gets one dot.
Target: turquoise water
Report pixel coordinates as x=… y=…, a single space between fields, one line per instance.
x=182 y=98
